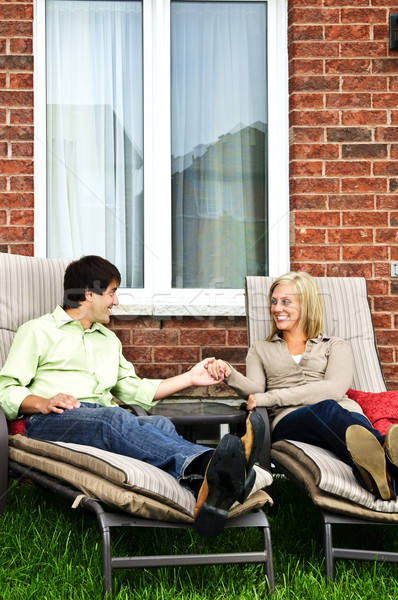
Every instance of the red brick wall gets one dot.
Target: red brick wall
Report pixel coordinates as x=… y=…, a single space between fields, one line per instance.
x=344 y=172
x=344 y=151
x=167 y=347
x=16 y=127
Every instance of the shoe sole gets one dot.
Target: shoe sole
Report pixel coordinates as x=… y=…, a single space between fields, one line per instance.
x=368 y=455
x=223 y=485
x=249 y=483
x=391 y=444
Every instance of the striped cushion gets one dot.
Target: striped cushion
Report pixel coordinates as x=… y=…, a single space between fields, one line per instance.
x=124 y=482
x=29 y=288
x=347 y=316
x=327 y=478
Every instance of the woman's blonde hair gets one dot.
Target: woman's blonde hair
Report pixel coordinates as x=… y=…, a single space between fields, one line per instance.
x=306 y=288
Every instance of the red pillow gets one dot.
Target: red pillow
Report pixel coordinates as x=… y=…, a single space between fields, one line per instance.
x=17 y=426
x=381 y=408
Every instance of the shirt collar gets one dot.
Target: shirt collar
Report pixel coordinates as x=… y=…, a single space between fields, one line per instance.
x=321 y=337
x=62 y=318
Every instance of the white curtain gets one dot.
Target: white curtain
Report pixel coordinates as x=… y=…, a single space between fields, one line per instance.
x=95 y=132
x=219 y=143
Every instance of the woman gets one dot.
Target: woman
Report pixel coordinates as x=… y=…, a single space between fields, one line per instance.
x=302 y=376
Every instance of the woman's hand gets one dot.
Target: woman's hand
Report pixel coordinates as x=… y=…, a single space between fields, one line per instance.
x=251 y=402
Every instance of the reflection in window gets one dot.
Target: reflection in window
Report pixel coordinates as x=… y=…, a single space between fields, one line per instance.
x=95 y=138
x=219 y=143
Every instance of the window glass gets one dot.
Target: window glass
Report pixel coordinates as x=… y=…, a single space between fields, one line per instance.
x=157 y=142
x=219 y=142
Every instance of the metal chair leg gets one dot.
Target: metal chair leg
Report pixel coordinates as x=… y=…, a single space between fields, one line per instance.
x=328 y=545
x=269 y=565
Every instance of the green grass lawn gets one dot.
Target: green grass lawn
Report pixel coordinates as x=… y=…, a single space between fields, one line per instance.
x=50 y=552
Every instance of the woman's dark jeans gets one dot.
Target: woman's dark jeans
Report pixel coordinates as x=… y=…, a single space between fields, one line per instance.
x=322 y=424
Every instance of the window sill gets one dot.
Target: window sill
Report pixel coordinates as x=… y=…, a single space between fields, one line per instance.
x=178 y=310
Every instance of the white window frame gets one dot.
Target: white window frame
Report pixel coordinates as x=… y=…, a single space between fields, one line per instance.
x=158 y=298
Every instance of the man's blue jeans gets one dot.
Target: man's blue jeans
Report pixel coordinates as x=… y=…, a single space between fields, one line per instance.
x=323 y=424
x=152 y=439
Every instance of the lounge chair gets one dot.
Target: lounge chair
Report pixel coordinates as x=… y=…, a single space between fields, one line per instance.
x=329 y=482
x=120 y=491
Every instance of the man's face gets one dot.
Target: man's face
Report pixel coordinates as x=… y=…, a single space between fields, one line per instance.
x=102 y=305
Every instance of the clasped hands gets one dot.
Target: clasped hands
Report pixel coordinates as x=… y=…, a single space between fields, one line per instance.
x=219 y=370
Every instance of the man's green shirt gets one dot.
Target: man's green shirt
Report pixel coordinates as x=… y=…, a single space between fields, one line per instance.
x=54 y=354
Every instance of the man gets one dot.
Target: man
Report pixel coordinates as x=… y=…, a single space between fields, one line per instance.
x=64 y=369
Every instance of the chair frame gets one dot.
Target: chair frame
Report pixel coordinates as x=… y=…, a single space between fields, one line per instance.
x=106 y=519
x=329 y=519
x=334 y=552
x=109 y=517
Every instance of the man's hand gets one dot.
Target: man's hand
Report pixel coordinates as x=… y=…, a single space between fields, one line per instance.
x=202 y=373
x=198 y=375
x=57 y=404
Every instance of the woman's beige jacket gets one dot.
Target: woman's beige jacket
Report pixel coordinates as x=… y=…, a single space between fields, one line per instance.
x=279 y=383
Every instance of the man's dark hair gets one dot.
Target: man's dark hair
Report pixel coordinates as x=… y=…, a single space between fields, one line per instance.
x=89 y=273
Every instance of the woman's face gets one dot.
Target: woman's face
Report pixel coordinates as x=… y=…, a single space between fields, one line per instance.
x=286 y=308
